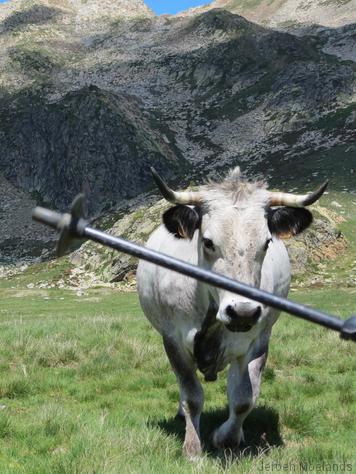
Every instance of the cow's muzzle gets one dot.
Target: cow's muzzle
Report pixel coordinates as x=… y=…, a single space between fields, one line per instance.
x=242 y=322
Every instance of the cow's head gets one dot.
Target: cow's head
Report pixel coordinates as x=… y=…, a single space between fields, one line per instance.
x=236 y=221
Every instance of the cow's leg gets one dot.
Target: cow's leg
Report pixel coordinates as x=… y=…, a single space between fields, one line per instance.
x=191 y=396
x=180 y=413
x=244 y=380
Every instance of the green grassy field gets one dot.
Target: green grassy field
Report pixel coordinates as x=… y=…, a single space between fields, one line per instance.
x=85 y=387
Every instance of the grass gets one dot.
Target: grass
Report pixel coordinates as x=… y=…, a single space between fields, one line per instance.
x=85 y=387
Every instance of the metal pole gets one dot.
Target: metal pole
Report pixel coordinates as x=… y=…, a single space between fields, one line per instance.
x=213 y=278
x=74 y=226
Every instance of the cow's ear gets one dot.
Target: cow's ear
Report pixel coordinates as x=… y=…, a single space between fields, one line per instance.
x=287 y=221
x=182 y=221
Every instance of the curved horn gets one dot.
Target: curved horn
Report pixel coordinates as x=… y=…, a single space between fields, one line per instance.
x=297 y=200
x=174 y=197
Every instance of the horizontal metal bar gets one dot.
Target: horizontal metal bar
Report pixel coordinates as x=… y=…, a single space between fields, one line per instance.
x=214 y=279
x=46 y=216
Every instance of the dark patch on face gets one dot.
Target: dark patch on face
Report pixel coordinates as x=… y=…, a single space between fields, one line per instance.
x=182 y=221
x=207 y=345
x=208 y=244
x=288 y=220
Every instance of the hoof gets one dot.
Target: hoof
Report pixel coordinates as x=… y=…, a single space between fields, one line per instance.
x=192 y=444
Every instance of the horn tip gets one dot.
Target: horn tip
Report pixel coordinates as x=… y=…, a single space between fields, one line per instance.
x=166 y=192
x=325 y=185
x=322 y=188
x=155 y=175
x=313 y=197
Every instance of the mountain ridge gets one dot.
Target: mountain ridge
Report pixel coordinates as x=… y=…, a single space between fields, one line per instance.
x=191 y=94
x=283 y=13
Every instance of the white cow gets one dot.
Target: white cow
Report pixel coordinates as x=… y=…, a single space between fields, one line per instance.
x=233 y=228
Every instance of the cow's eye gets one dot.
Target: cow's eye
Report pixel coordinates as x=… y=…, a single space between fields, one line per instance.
x=268 y=241
x=208 y=244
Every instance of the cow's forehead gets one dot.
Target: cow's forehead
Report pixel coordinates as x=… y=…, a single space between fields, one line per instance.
x=217 y=199
x=223 y=218
x=233 y=206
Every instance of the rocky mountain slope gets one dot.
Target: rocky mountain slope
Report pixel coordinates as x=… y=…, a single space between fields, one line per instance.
x=282 y=13
x=21 y=239
x=94 y=92
x=332 y=23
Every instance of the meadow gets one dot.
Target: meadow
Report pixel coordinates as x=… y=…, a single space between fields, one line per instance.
x=85 y=387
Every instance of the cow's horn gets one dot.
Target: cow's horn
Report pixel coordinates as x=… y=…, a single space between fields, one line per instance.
x=297 y=200
x=174 y=197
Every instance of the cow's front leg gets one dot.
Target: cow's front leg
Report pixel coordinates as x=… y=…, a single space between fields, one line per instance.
x=191 y=396
x=244 y=380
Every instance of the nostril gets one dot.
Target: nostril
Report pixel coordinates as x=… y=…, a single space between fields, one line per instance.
x=257 y=313
x=231 y=312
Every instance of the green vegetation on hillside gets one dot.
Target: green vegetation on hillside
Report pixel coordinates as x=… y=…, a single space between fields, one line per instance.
x=34 y=60
x=31 y=14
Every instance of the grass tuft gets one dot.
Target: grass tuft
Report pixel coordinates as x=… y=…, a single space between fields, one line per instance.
x=6 y=428
x=15 y=387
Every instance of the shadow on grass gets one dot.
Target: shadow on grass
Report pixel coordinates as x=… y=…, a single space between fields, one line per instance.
x=261 y=430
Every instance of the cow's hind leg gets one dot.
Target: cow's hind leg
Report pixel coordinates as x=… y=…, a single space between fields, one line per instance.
x=191 y=396
x=244 y=380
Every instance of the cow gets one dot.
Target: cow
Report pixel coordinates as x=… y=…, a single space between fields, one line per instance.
x=233 y=227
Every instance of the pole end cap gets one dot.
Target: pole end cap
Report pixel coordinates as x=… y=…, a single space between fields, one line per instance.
x=348 y=330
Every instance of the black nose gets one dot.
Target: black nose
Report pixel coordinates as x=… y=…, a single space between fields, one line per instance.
x=252 y=314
